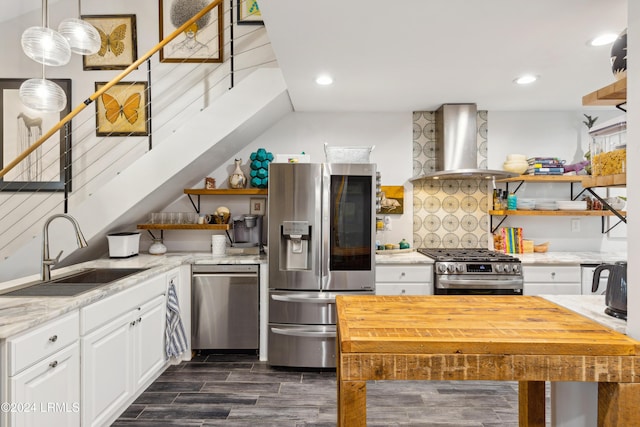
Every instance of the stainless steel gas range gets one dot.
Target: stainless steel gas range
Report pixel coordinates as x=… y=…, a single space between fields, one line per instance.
x=475 y=272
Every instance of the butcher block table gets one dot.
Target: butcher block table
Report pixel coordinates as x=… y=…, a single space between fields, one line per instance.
x=498 y=338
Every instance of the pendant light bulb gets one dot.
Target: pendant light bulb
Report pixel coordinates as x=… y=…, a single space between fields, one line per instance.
x=83 y=37
x=42 y=95
x=46 y=46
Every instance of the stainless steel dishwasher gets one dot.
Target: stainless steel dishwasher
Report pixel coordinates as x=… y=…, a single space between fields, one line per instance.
x=225 y=307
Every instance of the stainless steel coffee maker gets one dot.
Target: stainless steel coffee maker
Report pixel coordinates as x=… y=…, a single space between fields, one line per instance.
x=247 y=235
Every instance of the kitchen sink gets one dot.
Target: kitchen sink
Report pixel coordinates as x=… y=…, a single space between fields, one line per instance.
x=73 y=284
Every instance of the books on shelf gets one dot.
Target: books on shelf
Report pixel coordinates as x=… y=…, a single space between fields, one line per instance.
x=545 y=166
x=545 y=171
x=512 y=240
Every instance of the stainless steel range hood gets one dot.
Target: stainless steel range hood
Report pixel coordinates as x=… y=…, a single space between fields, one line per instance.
x=456 y=146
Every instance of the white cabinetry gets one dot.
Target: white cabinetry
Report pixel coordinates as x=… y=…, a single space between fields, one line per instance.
x=122 y=348
x=44 y=375
x=404 y=279
x=552 y=280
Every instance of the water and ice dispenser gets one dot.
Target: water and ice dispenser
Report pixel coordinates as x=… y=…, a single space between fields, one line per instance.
x=294 y=245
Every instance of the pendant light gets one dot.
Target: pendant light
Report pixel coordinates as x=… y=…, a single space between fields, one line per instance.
x=44 y=45
x=47 y=47
x=42 y=95
x=81 y=35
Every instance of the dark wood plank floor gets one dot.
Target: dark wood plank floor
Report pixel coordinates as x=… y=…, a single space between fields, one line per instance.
x=238 y=390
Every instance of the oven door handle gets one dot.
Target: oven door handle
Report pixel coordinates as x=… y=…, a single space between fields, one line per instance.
x=480 y=283
x=306 y=299
x=304 y=333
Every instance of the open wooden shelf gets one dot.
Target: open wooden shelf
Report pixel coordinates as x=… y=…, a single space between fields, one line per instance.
x=618 y=180
x=543 y=178
x=552 y=213
x=226 y=191
x=613 y=94
x=184 y=226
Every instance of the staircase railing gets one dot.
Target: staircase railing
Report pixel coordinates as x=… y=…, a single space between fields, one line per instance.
x=184 y=89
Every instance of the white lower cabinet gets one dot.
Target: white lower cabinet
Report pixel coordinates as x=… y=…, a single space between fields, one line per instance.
x=404 y=279
x=121 y=357
x=48 y=393
x=552 y=280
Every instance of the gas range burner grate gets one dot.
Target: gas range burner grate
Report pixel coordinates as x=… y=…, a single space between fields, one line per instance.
x=461 y=255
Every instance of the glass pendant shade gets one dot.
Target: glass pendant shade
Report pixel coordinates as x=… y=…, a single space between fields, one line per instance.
x=81 y=35
x=46 y=46
x=42 y=95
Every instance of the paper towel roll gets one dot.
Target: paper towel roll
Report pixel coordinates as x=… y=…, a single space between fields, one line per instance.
x=218 y=245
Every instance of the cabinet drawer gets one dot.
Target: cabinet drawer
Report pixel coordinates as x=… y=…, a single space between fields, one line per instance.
x=559 y=288
x=40 y=342
x=404 y=273
x=101 y=312
x=551 y=274
x=404 y=289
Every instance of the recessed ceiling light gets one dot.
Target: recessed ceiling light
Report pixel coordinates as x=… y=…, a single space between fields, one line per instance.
x=603 y=39
x=324 y=80
x=526 y=79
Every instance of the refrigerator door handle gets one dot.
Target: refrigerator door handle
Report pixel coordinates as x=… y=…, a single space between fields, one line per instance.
x=306 y=299
x=304 y=333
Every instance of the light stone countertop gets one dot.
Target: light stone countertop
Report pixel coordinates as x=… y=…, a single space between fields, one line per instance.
x=547 y=258
x=590 y=306
x=18 y=314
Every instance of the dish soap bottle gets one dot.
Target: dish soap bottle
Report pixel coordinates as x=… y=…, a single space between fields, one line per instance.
x=404 y=244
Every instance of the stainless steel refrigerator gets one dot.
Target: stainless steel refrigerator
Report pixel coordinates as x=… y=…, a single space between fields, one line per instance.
x=321 y=239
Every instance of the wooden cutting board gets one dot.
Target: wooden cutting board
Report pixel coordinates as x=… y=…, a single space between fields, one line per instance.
x=524 y=325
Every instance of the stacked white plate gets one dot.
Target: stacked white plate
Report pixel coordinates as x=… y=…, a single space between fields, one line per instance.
x=546 y=205
x=526 y=204
x=572 y=205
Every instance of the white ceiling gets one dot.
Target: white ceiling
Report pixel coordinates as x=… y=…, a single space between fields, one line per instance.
x=13 y=8
x=414 y=55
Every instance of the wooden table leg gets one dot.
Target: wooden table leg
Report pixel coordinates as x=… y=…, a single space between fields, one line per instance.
x=618 y=404
x=531 y=403
x=352 y=403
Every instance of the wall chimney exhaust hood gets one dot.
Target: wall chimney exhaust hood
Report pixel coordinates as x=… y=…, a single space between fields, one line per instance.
x=456 y=146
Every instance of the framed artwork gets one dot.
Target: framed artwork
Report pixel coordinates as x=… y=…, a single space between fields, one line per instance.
x=43 y=169
x=392 y=199
x=257 y=206
x=123 y=110
x=248 y=13
x=201 y=42
x=118 y=43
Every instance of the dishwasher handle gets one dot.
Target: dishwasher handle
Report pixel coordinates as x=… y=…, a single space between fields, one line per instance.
x=252 y=275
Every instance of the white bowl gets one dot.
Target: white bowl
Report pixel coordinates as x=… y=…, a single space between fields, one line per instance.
x=616 y=203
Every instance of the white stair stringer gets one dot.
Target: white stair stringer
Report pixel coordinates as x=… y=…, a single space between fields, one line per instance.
x=202 y=144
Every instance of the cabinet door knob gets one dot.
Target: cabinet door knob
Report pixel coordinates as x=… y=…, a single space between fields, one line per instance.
x=133 y=323
x=553 y=274
x=53 y=338
x=403 y=291
x=53 y=364
x=139 y=319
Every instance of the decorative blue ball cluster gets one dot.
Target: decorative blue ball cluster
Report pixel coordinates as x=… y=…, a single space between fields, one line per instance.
x=260 y=168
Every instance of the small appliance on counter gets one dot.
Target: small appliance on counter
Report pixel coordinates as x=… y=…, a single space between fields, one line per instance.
x=616 y=294
x=123 y=244
x=247 y=235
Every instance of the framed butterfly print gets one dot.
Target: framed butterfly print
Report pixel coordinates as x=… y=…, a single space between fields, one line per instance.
x=248 y=13
x=201 y=42
x=123 y=110
x=118 y=43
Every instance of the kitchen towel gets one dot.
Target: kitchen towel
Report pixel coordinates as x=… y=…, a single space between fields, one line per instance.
x=175 y=337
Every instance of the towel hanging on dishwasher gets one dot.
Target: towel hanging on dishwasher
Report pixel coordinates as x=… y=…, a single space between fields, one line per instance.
x=175 y=337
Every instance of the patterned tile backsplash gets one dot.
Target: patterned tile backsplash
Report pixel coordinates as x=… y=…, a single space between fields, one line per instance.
x=447 y=213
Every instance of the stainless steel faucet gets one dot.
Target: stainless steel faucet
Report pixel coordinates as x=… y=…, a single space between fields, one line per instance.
x=48 y=262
